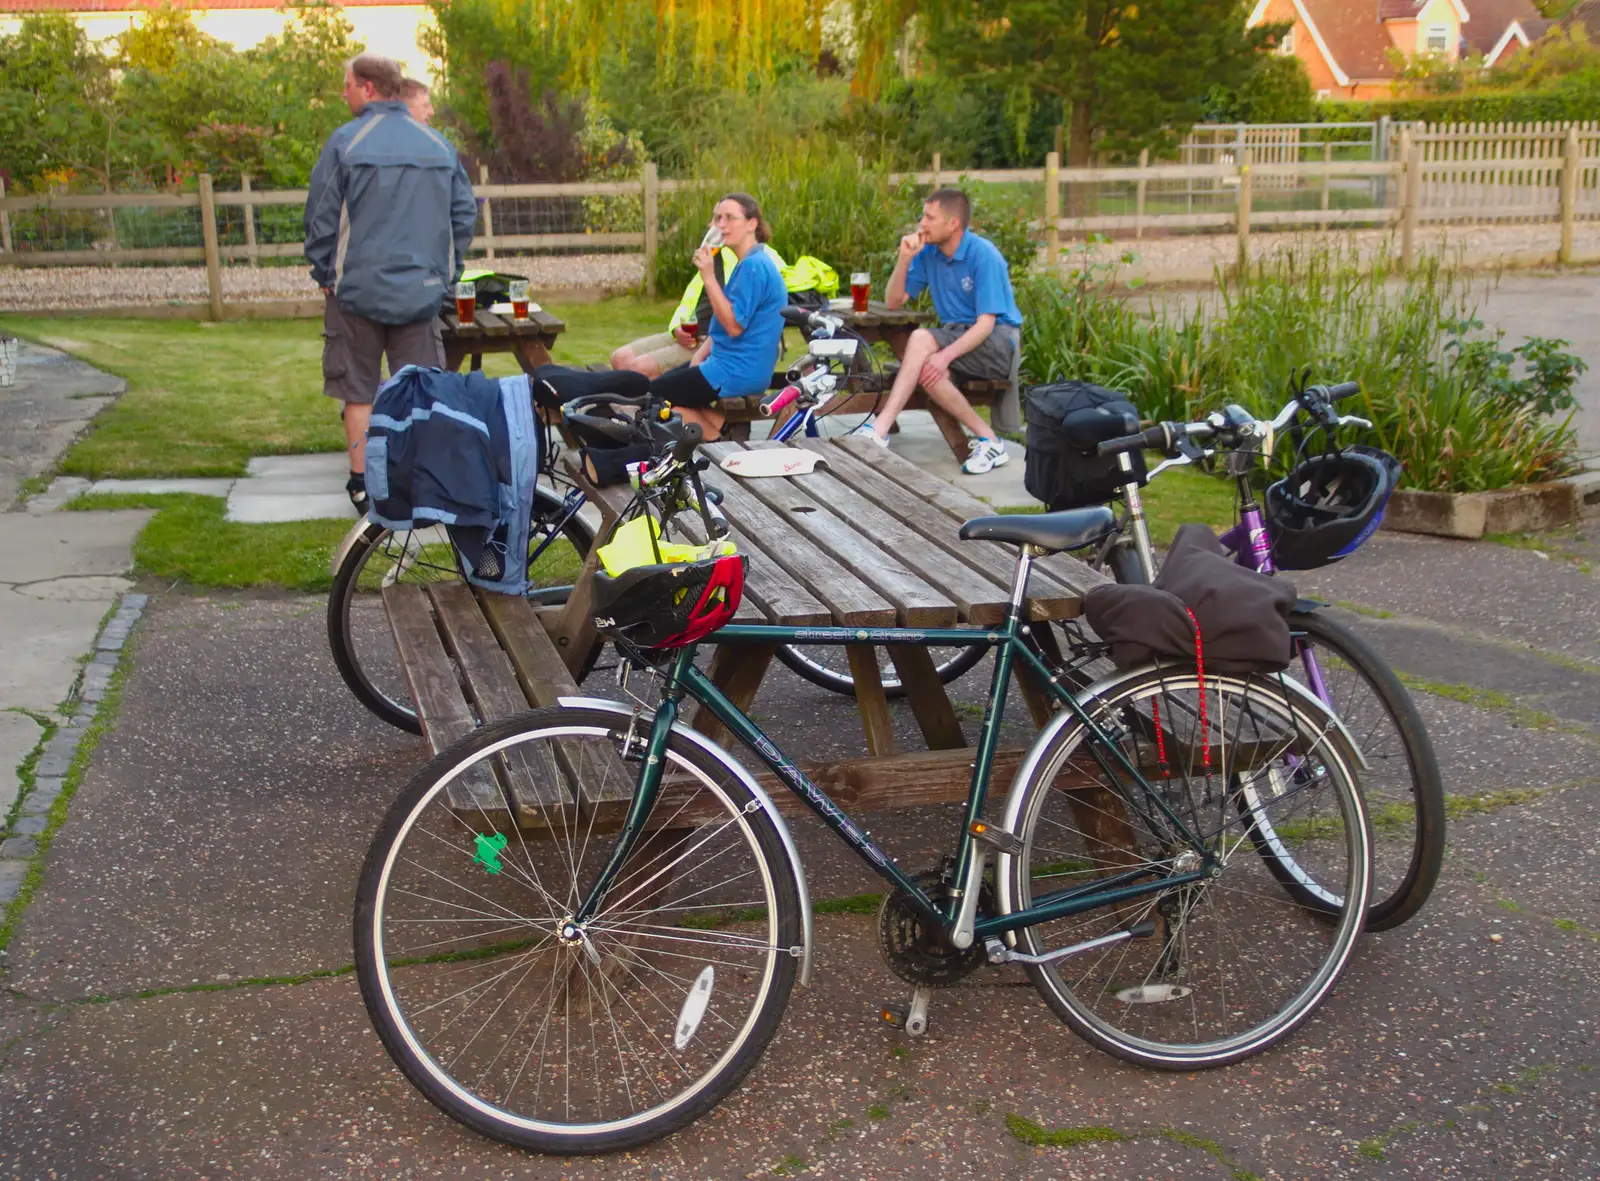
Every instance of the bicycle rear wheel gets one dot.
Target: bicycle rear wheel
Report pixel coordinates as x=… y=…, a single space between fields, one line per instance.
x=827 y=666
x=358 y=628
x=1235 y=964
x=541 y=1034
x=1401 y=783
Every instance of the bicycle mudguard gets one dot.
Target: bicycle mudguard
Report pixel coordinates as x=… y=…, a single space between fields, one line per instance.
x=738 y=771
x=348 y=543
x=1307 y=606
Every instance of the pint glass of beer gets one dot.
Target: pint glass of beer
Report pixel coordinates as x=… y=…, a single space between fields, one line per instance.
x=519 y=299
x=860 y=289
x=466 y=302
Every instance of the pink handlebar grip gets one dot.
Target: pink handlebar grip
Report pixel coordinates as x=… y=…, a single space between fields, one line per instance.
x=788 y=394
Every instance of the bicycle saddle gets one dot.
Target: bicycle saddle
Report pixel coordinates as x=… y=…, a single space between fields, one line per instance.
x=1071 y=529
x=1088 y=428
x=555 y=384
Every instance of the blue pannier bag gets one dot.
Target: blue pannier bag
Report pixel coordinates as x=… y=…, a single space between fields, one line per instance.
x=458 y=450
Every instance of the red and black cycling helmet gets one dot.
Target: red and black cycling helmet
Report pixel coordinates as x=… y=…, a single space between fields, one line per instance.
x=1328 y=505
x=670 y=604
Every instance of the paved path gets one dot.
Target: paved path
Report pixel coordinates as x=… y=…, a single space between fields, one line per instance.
x=215 y=841
x=58 y=577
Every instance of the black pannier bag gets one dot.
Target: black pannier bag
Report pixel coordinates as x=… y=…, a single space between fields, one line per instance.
x=1060 y=471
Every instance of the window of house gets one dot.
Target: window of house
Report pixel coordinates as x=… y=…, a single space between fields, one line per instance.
x=1286 y=43
x=1438 y=39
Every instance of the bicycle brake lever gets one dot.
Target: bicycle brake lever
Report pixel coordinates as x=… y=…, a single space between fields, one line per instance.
x=1353 y=420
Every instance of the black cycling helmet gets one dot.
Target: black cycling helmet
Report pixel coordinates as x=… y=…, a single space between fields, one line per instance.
x=670 y=604
x=1328 y=505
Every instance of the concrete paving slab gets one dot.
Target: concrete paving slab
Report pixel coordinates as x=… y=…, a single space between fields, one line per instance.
x=19 y=734
x=68 y=544
x=199 y=487
x=322 y=466
x=253 y=508
x=62 y=489
x=919 y=441
x=54 y=398
x=62 y=574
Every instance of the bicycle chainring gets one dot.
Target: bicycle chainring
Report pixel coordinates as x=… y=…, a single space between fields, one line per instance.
x=914 y=952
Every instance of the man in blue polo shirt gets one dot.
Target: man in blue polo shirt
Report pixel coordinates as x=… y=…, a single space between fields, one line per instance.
x=979 y=330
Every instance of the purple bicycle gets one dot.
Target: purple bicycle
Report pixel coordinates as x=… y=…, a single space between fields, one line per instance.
x=1328 y=505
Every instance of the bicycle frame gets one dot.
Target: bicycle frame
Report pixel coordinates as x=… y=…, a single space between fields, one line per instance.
x=1010 y=643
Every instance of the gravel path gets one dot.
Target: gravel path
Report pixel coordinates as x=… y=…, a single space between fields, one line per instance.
x=50 y=288
x=1193 y=257
x=1171 y=259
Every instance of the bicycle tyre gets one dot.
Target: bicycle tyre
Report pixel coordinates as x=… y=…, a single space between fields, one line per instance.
x=708 y=907
x=1401 y=884
x=363 y=648
x=1235 y=965
x=1402 y=777
x=796 y=659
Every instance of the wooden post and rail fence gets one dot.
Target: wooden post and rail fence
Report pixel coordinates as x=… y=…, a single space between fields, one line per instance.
x=1473 y=173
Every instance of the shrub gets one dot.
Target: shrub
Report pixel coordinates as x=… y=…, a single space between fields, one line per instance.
x=1442 y=395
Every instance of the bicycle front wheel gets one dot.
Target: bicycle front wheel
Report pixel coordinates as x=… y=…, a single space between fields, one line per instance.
x=559 y=1038
x=1234 y=964
x=1401 y=783
x=358 y=627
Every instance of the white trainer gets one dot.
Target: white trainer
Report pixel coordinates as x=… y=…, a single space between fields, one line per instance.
x=985 y=455
x=865 y=431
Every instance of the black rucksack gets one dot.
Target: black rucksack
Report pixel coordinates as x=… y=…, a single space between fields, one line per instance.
x=1060 y=474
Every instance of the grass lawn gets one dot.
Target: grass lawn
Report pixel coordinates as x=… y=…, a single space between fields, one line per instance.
x=204 y=398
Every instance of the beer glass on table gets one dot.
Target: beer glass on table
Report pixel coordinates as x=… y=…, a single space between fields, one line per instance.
x=860 y=290
x=466 y=302
x=519 y=299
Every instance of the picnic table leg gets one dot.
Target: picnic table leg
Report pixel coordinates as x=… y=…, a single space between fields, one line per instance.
x=531 y=352
x=1100 y=812
x=870 y=699
x=927 y=697
x=477 y=362
x=573 y=632
x=954 y=436
x=736 y=669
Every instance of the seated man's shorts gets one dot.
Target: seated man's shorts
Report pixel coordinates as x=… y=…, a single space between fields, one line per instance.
x=353 y=347
x=669 y=354
x=990 y=361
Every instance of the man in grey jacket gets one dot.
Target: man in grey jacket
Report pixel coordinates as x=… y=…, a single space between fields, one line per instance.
x=389 y=218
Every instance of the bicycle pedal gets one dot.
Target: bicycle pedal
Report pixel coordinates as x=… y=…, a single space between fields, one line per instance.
x=996 y=838
x=911 y=1016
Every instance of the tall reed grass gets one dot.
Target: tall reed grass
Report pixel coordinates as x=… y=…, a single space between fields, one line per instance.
x=1457 y=422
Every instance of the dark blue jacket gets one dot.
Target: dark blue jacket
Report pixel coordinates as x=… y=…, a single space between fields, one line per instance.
x=389 y=216
x=457 y=449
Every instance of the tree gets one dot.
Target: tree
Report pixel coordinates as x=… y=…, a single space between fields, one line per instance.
x=1130 y=74
x=1276 y=90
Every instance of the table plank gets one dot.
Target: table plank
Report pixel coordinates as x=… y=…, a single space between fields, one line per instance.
x=774 y=594
x=848 y=600
x=493 y=687
x=962 y=506
x=441 y=706
x=979 y=600
x=918 y=604
x=604 y=784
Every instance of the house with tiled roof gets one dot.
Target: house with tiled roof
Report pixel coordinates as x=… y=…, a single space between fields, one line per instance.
x=385 y=26
x=1347 y=45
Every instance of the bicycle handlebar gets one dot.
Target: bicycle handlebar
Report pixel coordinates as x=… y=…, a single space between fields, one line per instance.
x=1315 y=400
x=777 y=404
x=689 y=436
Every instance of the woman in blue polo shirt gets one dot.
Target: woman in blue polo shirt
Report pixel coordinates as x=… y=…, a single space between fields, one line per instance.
x=741 y=349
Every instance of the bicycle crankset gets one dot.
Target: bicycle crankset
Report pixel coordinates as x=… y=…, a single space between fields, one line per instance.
x=915 y=952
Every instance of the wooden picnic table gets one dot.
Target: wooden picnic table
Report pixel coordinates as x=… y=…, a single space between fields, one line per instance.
x=530 y=340
x=868 y=540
